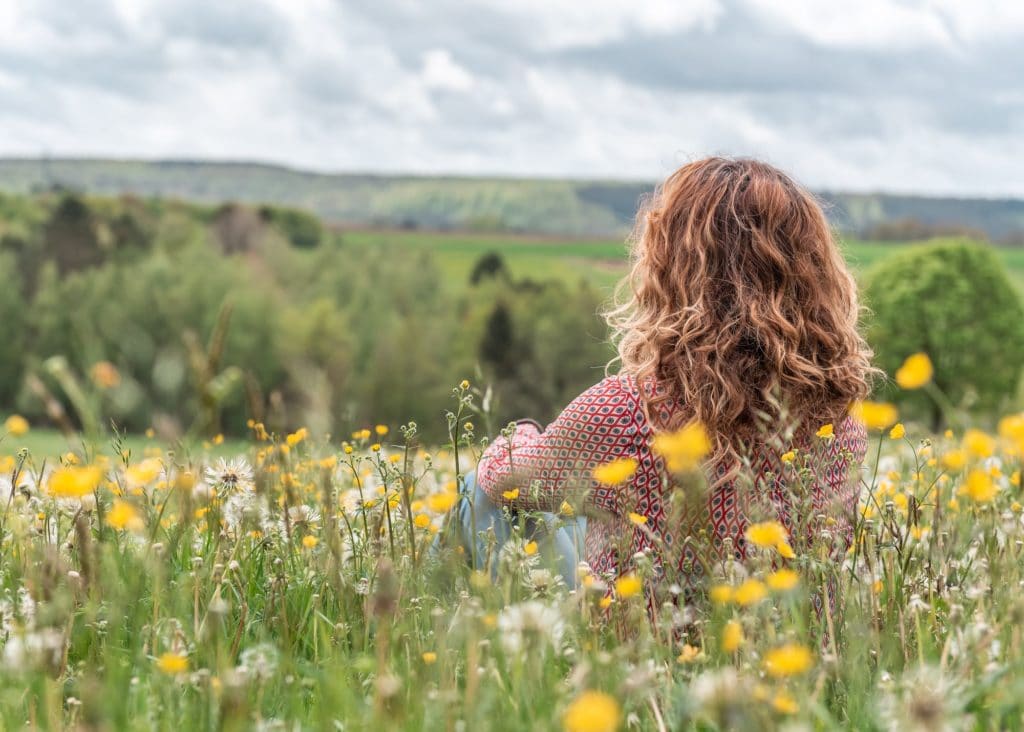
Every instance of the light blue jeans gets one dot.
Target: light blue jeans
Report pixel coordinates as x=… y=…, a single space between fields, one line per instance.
x=560 y=538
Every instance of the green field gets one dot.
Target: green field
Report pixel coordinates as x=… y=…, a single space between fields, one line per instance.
x=599 y=261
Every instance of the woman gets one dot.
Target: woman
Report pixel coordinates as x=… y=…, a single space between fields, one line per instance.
x=739 y=315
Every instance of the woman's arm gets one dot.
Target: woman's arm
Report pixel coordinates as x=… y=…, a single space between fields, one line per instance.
x=539 y=469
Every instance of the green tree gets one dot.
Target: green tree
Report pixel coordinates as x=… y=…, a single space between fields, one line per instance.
x=954 y=301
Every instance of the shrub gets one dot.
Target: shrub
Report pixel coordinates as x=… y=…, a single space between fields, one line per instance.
x=954 y=301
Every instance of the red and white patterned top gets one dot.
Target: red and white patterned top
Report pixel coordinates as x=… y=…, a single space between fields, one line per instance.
x=608 y=421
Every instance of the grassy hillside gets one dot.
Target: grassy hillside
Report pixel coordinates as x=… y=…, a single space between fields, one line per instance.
x=560 y=207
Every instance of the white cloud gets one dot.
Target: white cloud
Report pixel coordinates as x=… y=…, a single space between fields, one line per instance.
x=888 y=95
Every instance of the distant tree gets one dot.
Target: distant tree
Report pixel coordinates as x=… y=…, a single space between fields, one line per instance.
x=497 y=346
x=489 y=266
x=237 y=228
x=301 y=228
x=70 y=237
x=954 y=301
x=911 y=229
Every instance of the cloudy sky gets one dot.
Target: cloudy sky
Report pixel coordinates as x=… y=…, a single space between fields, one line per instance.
x=883 y=95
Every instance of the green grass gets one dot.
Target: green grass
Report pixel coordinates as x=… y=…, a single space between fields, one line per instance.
x=599 y=262
x=51 y=444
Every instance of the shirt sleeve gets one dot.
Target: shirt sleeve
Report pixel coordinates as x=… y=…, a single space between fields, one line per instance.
x=539 y=469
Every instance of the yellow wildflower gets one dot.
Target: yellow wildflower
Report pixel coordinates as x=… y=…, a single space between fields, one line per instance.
x=442 y=502
x=766 y=534
x=783 y=579
x=898 y=431
x=172 y=663
x=826 y=431
x=566 y=509
x=16 y=425
x=592 y=711
x=788 y=457
x=979 y=444
x=429 y=657
x=751 y=592
x=954 y=460
x=122 y=515
x=980 y=487
x=143 y=473
x=637 y=518
x=615 y=472
x=381 y=430
x=628 y=585
x=732 y=636
x=788 y=660
x=74 y=482
x=309 y=541
x=530 y=548
x=783 y=703
x=510 y=495
x=684 y=449
x=720 y=594
x=690 y=654
x=915 y=372
x=875 y=415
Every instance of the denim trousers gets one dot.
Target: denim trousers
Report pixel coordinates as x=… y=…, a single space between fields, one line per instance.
x=560 y=539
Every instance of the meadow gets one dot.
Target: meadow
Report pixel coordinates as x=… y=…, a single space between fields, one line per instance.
x=243 y=520
x=295 y=584
x=601 y=262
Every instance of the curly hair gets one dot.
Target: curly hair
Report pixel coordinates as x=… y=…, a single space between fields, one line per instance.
x=739 y=306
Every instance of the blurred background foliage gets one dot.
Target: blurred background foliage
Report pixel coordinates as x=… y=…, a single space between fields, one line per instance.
x=192 y=319
x=184 y=317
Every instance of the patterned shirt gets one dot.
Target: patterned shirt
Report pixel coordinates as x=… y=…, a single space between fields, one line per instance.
x=608 y=421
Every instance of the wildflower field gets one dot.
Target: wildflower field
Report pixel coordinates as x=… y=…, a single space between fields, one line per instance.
x=308 y=583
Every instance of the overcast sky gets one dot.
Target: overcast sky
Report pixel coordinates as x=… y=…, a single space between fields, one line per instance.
x=882 y=95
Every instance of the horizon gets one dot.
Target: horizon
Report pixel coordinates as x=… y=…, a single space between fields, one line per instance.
x=415 y=175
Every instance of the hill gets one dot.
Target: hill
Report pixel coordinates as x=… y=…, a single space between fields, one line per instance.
x=545 y=206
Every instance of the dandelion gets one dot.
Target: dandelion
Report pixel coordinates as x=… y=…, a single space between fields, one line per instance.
x=783 y=703
x=770 y=534
x=172 y=664
x=530 y=548
x=684 y=449
x=296 y=437
x=441 y=502
x=510 y=495
x=74 y=482
x=309 y=541
x=875 y=415
x=637 y=519
x=592 y=711
x=720 y=594
x=615 y=472
x=123 y=515
x=421 y=521
x=732 y=636
x=783 y=580
x=790 y=659
x=898 y=431
x=16 y=425
x=978 y=444
x=143 y=473
x=690 y=654
x=916 y=371
x=531 y=625
x=429 y=657
x=750 y=592
x=954 y=460
x=381 y=430
x=628 y=585
x=566 y=509
x=788 y=457
x=980 y=487
x=233 y=475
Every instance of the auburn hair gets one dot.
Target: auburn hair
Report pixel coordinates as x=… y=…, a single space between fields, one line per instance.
x=738 y=306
